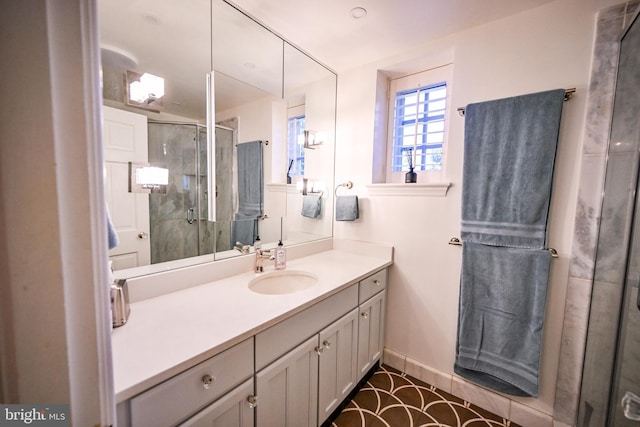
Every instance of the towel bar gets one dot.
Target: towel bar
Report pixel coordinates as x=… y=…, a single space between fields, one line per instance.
x=457 y=242
x=348 y=185
x=568 y=93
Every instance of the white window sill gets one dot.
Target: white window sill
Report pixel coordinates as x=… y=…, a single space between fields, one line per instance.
x=436 y=189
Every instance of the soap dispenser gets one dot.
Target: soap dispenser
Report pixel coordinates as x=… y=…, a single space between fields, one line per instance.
x=281 y=256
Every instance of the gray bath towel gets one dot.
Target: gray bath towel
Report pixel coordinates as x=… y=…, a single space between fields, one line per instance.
x=502 y=302
x=250 y=195
x=509 y=154
x=111 y=233
x=347 y=208
x=311 y=205
x=244 y=229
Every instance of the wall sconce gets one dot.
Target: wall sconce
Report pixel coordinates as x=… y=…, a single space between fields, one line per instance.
x=310 y=139
x=145 y=178
x=307 y=186
x=144 y=91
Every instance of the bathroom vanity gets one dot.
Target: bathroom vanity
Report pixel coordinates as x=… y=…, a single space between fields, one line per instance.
x=222 y=353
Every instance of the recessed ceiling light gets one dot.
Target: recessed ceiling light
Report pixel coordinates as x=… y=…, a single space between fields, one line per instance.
x=358 y=12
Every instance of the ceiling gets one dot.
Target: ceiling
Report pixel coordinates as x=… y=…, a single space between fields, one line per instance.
x=326 y=30
x=171 y=38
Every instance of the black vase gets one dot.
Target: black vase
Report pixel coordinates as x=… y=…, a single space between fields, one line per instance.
x=411 y=176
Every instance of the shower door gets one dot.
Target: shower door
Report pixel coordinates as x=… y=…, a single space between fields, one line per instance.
x=610 y=392
x=624 y=409
x=178 y=218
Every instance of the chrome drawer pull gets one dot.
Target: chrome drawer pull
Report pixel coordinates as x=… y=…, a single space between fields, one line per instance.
x=377 y=282
x=207 y=381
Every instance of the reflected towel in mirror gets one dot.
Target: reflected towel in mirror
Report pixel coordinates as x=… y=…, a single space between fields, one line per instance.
x=311 y=205
x=111 y=233
x=347 y=208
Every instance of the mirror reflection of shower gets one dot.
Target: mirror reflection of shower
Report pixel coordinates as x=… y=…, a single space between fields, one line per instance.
x=178 y=219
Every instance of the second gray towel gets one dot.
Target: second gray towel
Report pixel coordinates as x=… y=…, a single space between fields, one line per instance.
x=311 y=205
x=502 y=302
x=347 y=208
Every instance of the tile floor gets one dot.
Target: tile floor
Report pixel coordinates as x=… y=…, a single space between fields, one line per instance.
x=392 y=399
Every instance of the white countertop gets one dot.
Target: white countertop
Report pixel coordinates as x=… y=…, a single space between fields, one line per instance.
x=170 y=333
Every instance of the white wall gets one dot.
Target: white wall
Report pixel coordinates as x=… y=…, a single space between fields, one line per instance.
x=546 y=48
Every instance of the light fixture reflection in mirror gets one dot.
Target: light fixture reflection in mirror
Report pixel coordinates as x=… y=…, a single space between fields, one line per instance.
x=311 y=139
x=145 y=91
x=308 y=186
x=145 y=178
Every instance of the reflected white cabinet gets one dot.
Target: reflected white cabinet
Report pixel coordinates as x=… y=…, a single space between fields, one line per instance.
x=287 y=389
x=338 y=363
x=235 y=409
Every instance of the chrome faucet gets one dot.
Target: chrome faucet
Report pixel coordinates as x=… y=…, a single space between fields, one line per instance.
x=261 y=255
x=240 y=247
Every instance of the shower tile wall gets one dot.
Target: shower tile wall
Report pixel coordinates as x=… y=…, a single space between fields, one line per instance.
x=610 y=24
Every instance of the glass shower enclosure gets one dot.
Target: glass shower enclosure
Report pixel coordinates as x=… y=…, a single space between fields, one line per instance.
x=178 y=218
x=610 y=394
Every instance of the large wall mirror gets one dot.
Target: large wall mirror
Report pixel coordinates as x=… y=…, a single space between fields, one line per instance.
x=260 y=161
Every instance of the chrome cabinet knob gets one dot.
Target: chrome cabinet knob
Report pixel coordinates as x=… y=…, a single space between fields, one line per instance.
x=326 y=343
x=365 y=314
x=207 y=381
x=142 y=235
x=631 y=406
x=253 y=401
x=377 y=282
x=319 y=350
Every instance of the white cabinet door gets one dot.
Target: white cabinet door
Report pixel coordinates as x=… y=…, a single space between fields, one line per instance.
x=338 y=371
x=370 y=333
x=287 y=389
x=232 y=410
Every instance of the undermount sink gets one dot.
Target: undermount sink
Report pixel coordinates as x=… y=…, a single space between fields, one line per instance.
x=282 y=282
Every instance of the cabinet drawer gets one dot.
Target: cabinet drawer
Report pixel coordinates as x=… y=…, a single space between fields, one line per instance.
x=233 y=409
x=282 y=337
x=179 y=397
x=372 y=285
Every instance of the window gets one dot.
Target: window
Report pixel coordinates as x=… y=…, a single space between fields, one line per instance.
x=418 y=128
x=417 y=124
x=294 y=149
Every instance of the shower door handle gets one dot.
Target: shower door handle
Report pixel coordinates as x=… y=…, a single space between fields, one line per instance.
x=190 y=216
x=631 y=406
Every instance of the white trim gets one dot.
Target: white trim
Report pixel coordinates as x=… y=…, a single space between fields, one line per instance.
x=76 y=111
x=97 y=200
x=436 y=189
x=276 y=188
x=435 y=75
